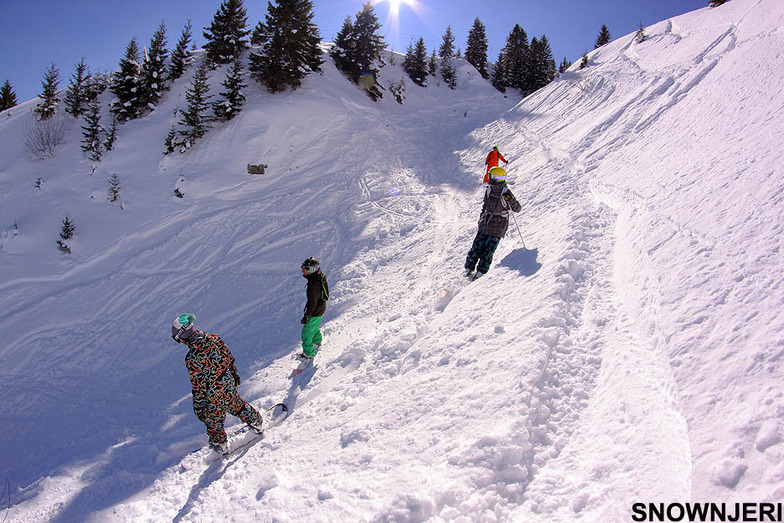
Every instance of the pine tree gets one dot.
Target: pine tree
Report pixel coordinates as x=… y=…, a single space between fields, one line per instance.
x=78 y=94
x=357 y=49
x=640 y=36
x=432 y=64
x=447 y=53
x=232 y=99
x=565 y=65
x=415 y=62
x=342 y=53
x=260 y=35
x=603 y=38
x=476 y=48
x=291 y=46
x=49 y=99
x=171 y=141
x=498 y=78
x=126 y=85
x=541 y=68
x=68 y=228
x=512 y=69
x=180 y=57
x=227 y=34
x=66 y=233
x=114 y=188
x=91 y=132
x=584 y=61
x=111 y=136
x=7 y=96
x=194 y=118
x=153 y=71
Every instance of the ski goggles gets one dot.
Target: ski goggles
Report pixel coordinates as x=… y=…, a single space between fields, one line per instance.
x=185 y=329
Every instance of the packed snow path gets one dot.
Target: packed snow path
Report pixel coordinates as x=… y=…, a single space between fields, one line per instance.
x=631 y=353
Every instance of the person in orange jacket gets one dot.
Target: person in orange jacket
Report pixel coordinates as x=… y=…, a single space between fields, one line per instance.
x=492 y=161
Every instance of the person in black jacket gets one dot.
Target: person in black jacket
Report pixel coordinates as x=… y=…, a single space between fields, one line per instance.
x=316 y=306
x=493 y=223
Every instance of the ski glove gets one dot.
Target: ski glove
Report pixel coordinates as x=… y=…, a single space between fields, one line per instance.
x=236 y=376
x=304 y=319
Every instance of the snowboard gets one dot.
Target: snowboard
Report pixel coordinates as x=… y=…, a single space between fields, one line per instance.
x=300 y=363
x=244 y=436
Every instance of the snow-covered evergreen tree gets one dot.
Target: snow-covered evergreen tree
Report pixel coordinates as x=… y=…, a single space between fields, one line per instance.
x=415 y=62
x=49 y=99
x=114 y=188
x=111 y=136
x=541 y=66
x=716 y=3
x=289 y=45
x=7 y=96
x=359 y=49
x=231 y=100
x=126 y=85
x=195 y=119
x=565 y=65
x=180 y=57
x=512 y=69
x=476 y=48
x=447 y=53
x=342 y=53
x=603 y=38
x=91 y=131
x=432 y=64
x=171 y=142
x=153 y=73
x=66 y=233
x=78 y=94
x=227 y=34
x=640 y=35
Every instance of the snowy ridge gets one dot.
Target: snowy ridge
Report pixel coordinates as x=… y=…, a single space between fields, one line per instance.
x=630 y=352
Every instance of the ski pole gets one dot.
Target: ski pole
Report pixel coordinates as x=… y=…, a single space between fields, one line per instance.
x=518 y=231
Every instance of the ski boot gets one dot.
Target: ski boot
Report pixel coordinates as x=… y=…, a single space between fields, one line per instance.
x=220 y=448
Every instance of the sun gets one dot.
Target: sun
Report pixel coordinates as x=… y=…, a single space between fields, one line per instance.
x=394 y=5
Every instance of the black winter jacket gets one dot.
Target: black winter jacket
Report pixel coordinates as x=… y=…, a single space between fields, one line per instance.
x=494 y=219
x=318 y=294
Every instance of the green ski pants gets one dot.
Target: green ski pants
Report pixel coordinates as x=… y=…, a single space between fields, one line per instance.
x=311 y=335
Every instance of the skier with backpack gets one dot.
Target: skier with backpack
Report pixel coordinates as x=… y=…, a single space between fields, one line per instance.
x=492 y=160
x=317 y=295
x=493 y=223
x=214 y=381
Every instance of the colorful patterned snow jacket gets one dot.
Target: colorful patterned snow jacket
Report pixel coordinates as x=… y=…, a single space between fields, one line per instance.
x=494 y=219
x=212 y=371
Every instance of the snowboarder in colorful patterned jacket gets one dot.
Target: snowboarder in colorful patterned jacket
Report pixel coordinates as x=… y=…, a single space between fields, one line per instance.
x=318 y=294
x=493 y=223
x=214 y=380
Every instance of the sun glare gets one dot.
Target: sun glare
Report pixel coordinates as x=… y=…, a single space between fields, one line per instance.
x=394 y=5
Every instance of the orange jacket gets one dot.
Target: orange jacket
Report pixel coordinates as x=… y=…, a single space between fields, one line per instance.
x=492 y=159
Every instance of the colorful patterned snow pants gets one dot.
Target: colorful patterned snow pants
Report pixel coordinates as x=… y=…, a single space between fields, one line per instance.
x=482 y=251
x=214 y=415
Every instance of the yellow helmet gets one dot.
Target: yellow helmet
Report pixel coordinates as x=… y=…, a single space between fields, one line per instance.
x=497 y=174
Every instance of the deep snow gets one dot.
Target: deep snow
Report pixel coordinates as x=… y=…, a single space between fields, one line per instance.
x=631 y=351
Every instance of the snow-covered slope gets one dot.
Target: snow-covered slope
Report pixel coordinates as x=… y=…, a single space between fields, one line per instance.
x=629 y=352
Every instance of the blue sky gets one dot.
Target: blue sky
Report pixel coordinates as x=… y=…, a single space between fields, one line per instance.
x=35 y=33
